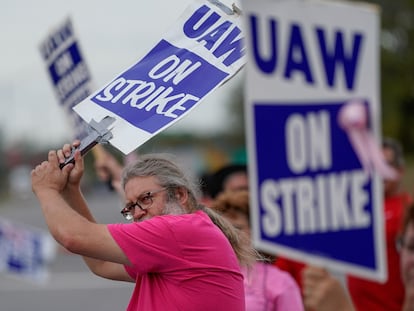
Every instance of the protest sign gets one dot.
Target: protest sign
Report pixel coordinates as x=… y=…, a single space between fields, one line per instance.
x=25 y=252
x=67 y=69
x=198 y=54
x=309 y=63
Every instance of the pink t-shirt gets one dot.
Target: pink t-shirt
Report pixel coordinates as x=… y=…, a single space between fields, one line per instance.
x=180 y=262
x=267 y=288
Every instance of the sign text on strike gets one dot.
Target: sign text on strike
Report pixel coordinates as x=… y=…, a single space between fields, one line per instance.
x=319 y=203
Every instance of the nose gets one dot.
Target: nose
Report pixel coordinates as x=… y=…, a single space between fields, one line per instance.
x=138 y=214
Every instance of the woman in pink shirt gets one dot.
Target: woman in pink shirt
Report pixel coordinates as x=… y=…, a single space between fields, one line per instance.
x=266 y=287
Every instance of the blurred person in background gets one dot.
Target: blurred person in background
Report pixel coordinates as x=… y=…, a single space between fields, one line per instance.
x=405 y=245
x=205 y=182
x=231 y=177
x=108 y=169
x=180 y=255
x=387 y=296
x=266 y=287
x=293 y=267
x=370 y=295
x=323 y=292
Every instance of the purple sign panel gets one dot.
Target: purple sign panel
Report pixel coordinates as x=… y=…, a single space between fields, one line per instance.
x=163 y=85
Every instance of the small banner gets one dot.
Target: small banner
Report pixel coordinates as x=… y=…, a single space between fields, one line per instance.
x=25 y=253
x=67 y=69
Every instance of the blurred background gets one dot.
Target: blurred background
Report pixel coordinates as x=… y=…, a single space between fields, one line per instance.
x=112 y=36
x=35 y=273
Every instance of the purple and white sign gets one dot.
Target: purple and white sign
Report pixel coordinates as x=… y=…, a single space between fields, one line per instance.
x=199 y=53
x=315 y=196
x=67 y=69
x=25 y=252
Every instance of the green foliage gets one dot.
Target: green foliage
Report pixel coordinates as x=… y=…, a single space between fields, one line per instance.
x=397 y=70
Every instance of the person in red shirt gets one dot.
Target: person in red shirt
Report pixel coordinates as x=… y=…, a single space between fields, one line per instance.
x=406 y=249
x=370 y=295
x=322 y=292
x=388 y=296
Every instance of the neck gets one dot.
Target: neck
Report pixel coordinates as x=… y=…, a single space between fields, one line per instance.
x=173 y=208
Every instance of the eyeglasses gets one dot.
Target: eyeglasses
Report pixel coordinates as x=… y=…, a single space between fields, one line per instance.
x=144 y=202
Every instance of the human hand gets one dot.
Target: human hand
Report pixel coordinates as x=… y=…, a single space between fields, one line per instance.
x=322 y=292
x=76 y=173
x=409 y=297
x=48 y=176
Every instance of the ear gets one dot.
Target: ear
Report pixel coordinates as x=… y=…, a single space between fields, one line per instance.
x=181 y=195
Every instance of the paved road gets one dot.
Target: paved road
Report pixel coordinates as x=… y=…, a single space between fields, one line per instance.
x=71 y=286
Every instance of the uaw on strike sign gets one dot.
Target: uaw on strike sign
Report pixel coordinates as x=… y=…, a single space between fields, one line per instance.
x=25 y=252
x=67 y=69
x=309 y=64
x=198 y=54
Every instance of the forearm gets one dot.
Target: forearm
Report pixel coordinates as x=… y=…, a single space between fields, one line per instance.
x=408 y=303
x=108 y=270
x=75 y=199
x=63 y=222
x=69 y=219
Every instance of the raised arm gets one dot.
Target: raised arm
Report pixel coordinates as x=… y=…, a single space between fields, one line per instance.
x=70 y=221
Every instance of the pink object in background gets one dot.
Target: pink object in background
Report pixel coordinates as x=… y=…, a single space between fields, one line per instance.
x=353 y=119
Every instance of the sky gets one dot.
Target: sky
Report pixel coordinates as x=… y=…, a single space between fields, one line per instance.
x=113 y=35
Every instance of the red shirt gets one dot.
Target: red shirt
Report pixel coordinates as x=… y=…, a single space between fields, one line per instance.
x=388 y=296
x=369 y=295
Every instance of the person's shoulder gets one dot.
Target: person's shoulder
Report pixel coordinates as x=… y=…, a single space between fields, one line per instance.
x=276 y=275
x=189 y=218
x=192 y=225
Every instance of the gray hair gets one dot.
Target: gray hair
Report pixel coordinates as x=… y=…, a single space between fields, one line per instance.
x=169 y=175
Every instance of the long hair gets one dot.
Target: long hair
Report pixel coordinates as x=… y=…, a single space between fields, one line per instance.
x=246 y=254
x=232 y=204
x=171 y=176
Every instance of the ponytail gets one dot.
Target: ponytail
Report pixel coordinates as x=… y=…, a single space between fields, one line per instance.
x=245 y=253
